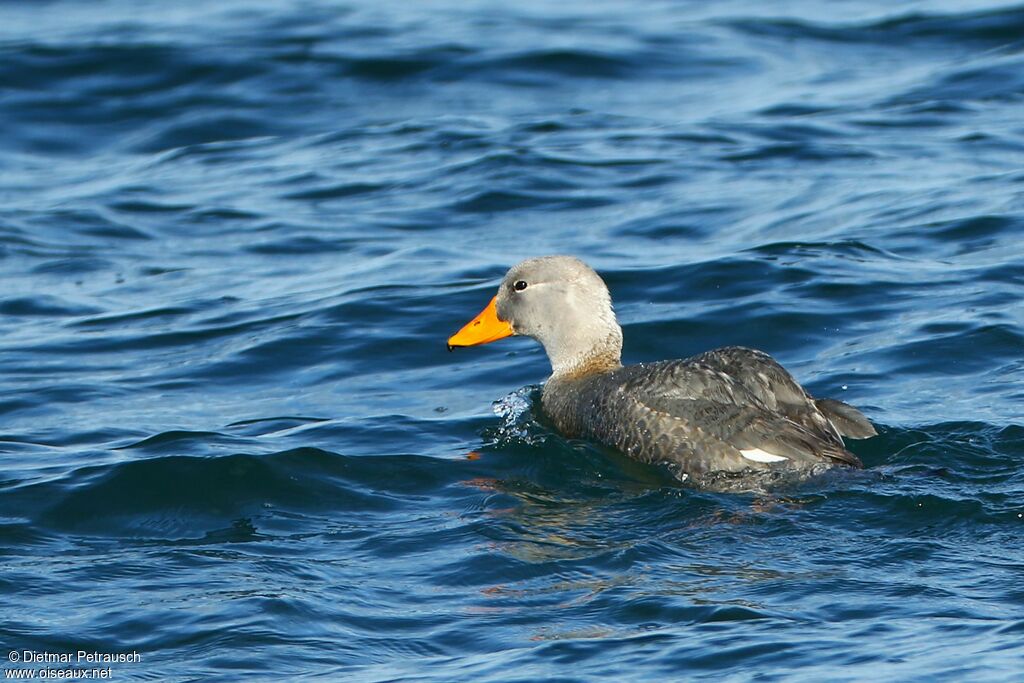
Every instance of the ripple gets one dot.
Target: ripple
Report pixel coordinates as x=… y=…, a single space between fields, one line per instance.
x=43 y=306
x=493 y=201
x=989 y=27
x=336 y=191
x=589 y=64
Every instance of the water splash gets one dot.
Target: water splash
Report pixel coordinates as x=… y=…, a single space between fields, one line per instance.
x=519 y=423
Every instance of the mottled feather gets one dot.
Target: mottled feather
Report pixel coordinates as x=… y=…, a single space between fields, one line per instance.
x=698 y=414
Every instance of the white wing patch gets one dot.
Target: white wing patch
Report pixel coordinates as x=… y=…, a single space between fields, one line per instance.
x=757 y=455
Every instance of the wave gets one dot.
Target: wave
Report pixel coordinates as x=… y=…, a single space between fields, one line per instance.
x=991 y=28
x=180 y=496
x=161 y=494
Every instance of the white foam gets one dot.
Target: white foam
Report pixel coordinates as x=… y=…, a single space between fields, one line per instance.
x=517 y=419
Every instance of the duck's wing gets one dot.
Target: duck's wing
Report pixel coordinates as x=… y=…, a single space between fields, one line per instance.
x=775 y=387
x=719 y=418
x=848 y=420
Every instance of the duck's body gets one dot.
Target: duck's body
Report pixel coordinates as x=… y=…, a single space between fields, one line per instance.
x=727 y=410
x=731 y=410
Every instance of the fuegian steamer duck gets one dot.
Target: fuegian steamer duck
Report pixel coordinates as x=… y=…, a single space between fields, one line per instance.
x=729 y=412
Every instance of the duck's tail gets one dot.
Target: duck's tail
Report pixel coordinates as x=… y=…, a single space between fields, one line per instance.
x=847 y=419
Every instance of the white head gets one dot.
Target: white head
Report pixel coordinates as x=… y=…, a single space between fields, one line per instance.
x=562 y=303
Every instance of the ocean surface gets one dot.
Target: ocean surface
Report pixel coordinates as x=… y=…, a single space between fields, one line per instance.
x=235 y=236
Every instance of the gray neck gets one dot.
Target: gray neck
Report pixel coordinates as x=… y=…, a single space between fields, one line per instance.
x=588 y=351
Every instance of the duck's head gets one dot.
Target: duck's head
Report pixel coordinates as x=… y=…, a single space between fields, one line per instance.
x=559 y=301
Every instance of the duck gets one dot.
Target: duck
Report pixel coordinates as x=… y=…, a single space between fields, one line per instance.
x=731 y=411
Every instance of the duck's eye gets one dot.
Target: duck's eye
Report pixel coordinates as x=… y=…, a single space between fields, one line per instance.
x=519 y=286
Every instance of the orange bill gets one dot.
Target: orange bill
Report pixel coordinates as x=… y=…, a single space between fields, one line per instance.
x=482 y=329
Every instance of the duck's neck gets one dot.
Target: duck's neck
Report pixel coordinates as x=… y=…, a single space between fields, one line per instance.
x=585 y=354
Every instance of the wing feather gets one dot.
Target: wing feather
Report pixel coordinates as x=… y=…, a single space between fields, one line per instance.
x=725 y=409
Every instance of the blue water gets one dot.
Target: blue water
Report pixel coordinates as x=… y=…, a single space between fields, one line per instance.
x=234 y=237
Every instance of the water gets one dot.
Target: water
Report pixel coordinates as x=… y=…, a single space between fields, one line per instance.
x=234 y=238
